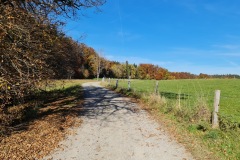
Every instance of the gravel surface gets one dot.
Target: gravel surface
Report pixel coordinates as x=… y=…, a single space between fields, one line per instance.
x=114 y=128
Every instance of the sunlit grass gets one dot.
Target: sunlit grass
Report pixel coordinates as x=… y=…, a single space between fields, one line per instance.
x=61 y=84
x=191 y=90
x=188 y=105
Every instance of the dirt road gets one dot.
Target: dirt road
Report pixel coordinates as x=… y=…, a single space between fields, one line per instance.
x=114 y=128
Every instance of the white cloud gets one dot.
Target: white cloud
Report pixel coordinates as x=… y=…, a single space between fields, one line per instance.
x=191 y=5
x=230 y=54
x=192 y=52
x=227 y=46
x=196 y=69
x=234 y=64
x=218 y=50
x=127 y=36
x=229 y=50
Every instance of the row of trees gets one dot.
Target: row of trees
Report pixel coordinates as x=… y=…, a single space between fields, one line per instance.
x=149 y=71
x=227 y=76
x=33 y=48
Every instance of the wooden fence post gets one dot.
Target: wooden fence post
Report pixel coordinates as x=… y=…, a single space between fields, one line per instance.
x=117 y=83
x=215 y=123
x=156 y=88
x=129 y=85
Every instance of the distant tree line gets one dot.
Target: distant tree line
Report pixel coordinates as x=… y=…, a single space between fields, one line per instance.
x=226 y=76
x=115 y=69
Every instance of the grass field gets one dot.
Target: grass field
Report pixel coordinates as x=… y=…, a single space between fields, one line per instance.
x=194 y=94
x=191 y=90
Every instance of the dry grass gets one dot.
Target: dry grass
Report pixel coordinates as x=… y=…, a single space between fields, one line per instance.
x=32 y=140
x=37 y=135
x=202 y=111
x=174 y=124
x=154 y=100
x=154 y=103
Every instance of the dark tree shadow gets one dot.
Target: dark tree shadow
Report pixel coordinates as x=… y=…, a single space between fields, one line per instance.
x=64 y=102
x=171 y=95
x=70 y=102
x=102 y=102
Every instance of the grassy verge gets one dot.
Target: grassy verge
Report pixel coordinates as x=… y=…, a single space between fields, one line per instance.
x=190 y=91
x=42 y=122
x=189 y=122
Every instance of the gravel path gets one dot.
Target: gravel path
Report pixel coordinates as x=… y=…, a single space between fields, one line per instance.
x=114 y=128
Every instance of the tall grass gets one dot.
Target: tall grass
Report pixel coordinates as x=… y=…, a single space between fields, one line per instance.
x=181 y=101
x=188 y=93
x=190 y=103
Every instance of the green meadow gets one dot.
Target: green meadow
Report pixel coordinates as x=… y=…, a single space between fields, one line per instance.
x=188 y=92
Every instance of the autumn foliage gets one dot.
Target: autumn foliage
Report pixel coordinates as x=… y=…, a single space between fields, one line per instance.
x=33 y=49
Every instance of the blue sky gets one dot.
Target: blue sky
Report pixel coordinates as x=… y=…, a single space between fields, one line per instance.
x=197 y=36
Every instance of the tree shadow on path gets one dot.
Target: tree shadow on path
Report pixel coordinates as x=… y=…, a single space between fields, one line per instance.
x=102 y=102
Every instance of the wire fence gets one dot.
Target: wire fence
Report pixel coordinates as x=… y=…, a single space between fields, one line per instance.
x=189 y=93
